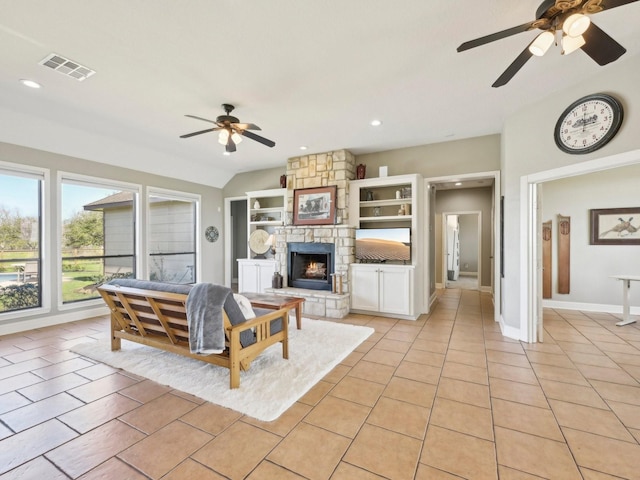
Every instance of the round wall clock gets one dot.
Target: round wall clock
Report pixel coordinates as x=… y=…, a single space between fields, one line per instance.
x=588 y=124
x=211 y=234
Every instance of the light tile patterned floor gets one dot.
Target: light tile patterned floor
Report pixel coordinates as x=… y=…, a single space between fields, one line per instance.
x=445 y=397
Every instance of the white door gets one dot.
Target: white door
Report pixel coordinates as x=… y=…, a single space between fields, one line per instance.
x=265 y=276
x=395 y=290
x=453 y=247
x=364 y=288
x=247 y=277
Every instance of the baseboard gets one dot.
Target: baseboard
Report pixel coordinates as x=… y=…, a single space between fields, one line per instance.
x=508 y=330
x=468 y=274
x=486 y=289
x=21 y=325
x=587 y=307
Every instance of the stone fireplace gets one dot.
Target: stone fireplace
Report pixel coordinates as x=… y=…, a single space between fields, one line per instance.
x=319 y=170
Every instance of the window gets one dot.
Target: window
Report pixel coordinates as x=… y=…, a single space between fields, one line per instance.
x=20 y=239
x=172 y=220
x=98 y=235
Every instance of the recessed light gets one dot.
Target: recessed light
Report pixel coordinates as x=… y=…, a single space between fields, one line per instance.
x=457 y=184
x=376 y=123
x=30 y=83
x=303 y=147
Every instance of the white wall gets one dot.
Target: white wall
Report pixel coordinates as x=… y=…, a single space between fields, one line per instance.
x=592 y=265
x=528 y=147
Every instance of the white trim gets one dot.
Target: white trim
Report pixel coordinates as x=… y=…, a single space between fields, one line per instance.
x=228 y=236
x=587 y=307
x=24 y=325
x=507 y=330
x=529 y=294
x=24 y=171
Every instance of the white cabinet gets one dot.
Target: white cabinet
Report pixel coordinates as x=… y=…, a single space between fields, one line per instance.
x=255 y=275
x=384 y=289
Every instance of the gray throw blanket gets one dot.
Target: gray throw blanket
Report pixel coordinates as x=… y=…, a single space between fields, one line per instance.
x=204 y=316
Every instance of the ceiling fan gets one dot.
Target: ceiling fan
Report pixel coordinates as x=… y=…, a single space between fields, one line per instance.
x=231 y=130
x=570 y=18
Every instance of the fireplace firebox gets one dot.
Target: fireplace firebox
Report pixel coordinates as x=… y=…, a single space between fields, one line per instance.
x=311 y=265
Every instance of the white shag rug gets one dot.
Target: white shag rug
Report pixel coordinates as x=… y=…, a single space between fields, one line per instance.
x=267 y=389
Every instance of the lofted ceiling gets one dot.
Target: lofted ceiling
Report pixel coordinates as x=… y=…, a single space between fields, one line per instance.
x=309 y=73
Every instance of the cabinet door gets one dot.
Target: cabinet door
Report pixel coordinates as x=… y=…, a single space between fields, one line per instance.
x=247 y=277
x=364 y=288
x=265 y=275
x=395 y=291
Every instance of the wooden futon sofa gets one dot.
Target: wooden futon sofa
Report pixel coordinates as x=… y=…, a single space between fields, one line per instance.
x=154 y=314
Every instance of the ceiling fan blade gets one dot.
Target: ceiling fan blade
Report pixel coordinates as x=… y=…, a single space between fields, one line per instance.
x=247 y=126
x=231 y=145
x=609 y=4
x=203 y=119
x=495 y=36
x=512 y=69
x=258 y=138
x=600 y=46
x=198 y=133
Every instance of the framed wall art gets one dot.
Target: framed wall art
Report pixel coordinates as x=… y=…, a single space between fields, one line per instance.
x=314 y=206
x=615 y=226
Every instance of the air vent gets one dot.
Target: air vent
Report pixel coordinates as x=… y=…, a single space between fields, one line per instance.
x=67 y=67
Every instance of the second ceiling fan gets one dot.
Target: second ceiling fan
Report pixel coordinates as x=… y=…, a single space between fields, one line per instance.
x=231 y=130
x=569 y=17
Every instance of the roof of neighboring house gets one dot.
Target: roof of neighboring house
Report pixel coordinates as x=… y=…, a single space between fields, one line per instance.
x=120 y=199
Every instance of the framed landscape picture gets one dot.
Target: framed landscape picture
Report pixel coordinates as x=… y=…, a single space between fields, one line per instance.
x=314 y=206
x=615 y=226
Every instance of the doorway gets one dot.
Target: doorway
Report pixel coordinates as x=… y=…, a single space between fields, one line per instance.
x=235 y=238
x=461 y=250
x=470 y=184
x=531 y=319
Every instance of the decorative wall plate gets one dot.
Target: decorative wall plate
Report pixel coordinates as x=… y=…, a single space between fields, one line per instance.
x=211 y=234
x=257 y=241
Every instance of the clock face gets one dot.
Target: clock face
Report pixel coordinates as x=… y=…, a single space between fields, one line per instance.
x=588 y=124
x=211 y=234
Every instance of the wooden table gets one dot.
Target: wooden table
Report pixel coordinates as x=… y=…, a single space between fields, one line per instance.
x=276 y=302
x=626 y=286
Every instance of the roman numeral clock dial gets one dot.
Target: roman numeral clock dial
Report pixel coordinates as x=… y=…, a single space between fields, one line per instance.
x=588 y=124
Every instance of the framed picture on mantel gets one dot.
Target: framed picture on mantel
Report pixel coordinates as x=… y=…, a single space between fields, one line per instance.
x=314 y=206
x=615 y=226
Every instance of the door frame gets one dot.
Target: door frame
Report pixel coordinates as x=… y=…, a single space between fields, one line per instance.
x=478 y=214
x=495 y=233
x=530 y=291
x=228 y=239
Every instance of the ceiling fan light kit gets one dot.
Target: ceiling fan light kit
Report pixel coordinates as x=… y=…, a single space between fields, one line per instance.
x=571 y=44
x=576 y=24
x=571 y=18
x=542 y=43
x=231 y=130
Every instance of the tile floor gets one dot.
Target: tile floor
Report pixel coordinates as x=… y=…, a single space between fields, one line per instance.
x=446 y=397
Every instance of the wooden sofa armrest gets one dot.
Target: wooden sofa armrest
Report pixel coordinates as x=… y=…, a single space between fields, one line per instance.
x=241 y=357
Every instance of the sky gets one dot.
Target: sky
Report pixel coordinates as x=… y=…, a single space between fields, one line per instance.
x=397 y=234
x=18 y=193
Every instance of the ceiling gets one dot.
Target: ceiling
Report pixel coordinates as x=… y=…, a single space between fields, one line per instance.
x=308 y=73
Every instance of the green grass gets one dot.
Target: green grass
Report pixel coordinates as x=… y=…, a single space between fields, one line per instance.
x=74 y=283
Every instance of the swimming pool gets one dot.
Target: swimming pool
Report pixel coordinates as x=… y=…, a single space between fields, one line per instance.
x=8 y=277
